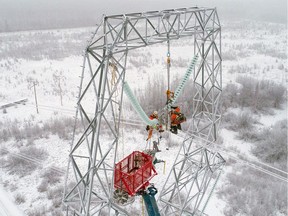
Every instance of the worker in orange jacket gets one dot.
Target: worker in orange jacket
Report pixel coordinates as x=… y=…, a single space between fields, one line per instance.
x=149 y=128
x=170 y=96
x=176 y=119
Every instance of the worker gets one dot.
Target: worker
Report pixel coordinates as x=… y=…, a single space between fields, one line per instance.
x=152 y=153
x=170 y=96
x=155 y=146
x=150 y=128
x=176 y=118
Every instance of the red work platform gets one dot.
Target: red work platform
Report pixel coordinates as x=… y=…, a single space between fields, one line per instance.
x=133 y=172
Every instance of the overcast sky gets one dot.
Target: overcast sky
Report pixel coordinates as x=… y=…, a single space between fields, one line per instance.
x=73 y=13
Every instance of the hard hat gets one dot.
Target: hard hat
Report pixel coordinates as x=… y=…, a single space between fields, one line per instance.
x=174 y=106
x=155 y=113
x=169 y=92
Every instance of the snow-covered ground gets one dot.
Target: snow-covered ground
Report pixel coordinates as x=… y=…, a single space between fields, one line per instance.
x=7 y=206
x=257 y=50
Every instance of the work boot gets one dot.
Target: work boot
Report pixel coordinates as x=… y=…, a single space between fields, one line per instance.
x=174 y=130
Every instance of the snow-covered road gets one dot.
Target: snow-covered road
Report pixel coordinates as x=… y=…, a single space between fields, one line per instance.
x=7 y=207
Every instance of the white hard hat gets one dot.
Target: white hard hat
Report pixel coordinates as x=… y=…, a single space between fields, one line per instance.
x=174 y=106
x=155 y=113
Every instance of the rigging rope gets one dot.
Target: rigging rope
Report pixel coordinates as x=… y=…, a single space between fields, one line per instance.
x=168 y=63
x=168 y=120
x=164 y=168
x=113 y=81
x=143 y=207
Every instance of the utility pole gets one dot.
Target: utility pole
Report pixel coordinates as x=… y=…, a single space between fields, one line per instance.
x=35 y=95
x=60 y=91
x=58 y=78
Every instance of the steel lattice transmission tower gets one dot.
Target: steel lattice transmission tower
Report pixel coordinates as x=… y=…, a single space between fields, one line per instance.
x=195 y=172
x=89 y=183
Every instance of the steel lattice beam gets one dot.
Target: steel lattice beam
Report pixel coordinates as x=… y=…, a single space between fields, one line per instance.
x=93 y=154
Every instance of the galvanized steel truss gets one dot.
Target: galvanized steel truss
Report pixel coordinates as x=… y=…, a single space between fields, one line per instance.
x=89 y=181
x=191 y=181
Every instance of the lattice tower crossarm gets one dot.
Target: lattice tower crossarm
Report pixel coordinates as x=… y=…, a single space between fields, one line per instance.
x=89 y=181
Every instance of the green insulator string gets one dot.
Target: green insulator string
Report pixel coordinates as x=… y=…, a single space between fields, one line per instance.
x=183 y=82
x=137 y=106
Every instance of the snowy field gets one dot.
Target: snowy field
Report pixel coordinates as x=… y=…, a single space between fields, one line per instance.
x=34 y=147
